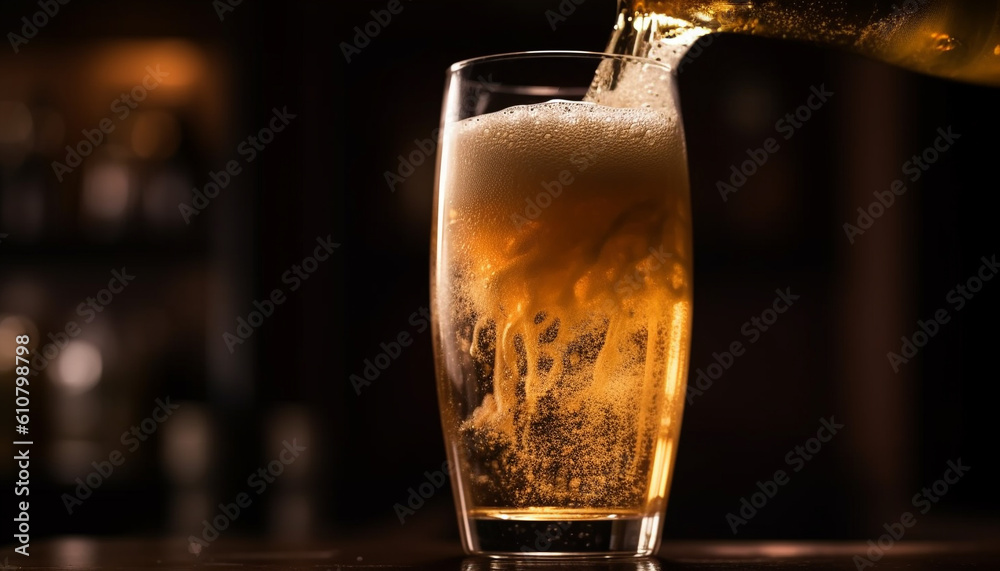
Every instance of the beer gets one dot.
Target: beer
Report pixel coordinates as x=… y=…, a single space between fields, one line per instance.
x=959 y=40
x=562 y=302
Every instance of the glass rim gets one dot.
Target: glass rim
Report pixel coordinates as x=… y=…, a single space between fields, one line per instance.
x=581 y=54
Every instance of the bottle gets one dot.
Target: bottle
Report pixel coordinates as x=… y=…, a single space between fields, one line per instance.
x=946 y=38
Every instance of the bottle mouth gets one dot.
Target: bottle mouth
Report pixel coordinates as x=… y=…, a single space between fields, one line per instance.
x=569 y=54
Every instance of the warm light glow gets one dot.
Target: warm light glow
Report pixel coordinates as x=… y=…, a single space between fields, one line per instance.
x=75 y=553
x=186 y=444
x=79 y=367
x=106 y=191
x=124 y=63
x=783 y=550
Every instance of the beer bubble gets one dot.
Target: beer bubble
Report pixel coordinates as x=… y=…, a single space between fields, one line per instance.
x=565 y=318
x=678 y=277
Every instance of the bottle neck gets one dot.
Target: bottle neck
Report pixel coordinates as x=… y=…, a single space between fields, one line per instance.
x=949 y=39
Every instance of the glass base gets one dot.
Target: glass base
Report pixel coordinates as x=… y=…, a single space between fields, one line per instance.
x=632 y=536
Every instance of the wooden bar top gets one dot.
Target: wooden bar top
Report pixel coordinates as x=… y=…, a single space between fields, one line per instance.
x=395 y=553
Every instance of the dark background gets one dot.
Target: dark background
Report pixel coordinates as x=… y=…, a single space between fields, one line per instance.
x=324 y=175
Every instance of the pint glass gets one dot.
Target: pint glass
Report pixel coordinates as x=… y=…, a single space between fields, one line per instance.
x=561 y=296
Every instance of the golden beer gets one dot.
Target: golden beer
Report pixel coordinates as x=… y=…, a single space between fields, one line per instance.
x=562 y=303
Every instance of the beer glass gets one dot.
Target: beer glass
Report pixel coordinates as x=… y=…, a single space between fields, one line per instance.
x=561 y=296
